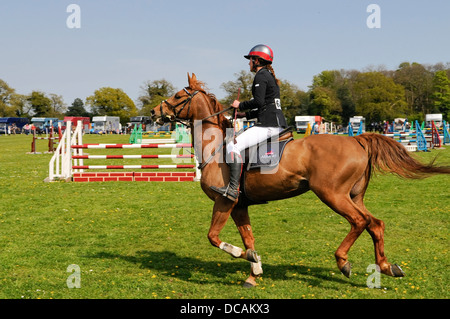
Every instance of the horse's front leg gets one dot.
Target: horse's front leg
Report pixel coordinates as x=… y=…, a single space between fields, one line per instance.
x=242 y=221
x=221 y=212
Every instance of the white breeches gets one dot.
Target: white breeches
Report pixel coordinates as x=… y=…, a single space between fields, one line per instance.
x=252 y=136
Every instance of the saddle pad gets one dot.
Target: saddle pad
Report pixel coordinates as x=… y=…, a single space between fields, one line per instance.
x=266 y=155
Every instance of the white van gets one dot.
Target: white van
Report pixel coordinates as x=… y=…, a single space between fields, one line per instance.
x=106 y=124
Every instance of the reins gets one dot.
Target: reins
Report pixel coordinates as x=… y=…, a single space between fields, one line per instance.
x=217 y=113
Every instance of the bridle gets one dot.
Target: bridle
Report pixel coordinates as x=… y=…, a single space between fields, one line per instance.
x=174 y=107
x=183 y=104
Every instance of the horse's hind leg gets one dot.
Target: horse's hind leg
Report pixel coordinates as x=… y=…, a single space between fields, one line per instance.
x=344 y=206
x=376 y=230
x=242 y=221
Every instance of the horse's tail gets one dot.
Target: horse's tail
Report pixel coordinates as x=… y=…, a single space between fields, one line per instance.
x=389 y=156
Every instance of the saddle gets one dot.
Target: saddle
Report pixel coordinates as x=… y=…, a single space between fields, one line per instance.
x=263 y=156
x=268 y=153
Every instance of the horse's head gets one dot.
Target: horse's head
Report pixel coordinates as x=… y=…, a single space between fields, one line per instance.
x=179 y=105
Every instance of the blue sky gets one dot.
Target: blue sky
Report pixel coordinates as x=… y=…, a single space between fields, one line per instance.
x=122 y=44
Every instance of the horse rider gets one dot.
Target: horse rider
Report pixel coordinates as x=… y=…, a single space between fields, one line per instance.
x=265 y=106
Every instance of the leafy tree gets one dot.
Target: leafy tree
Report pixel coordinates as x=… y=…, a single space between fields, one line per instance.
x=113 y=102
x=6 y=96
x=324 y=102
x=302 y=109
x=77 y=109
x=417 y=83
x=330 y=79
x=40 y=104
x=22 y=107
x=244 y=80
x=35 y=104
x=343 y=93
x=340 y=106
x=441 y=93
x=378 y=97
x=57 y=105
x=154 y=92
x=292 y=99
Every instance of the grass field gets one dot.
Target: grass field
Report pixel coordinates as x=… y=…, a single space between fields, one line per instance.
x=148 y=240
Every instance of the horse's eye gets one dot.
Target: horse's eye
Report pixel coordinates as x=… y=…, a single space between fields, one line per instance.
x=177 y=97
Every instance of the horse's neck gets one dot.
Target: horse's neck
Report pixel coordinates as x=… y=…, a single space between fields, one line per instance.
x=205 y=111
x=208 y=139
x=208 y=131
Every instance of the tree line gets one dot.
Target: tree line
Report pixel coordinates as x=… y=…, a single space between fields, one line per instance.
x=378 y=94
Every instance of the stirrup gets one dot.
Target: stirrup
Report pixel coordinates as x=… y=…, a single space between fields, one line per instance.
x=224 y=192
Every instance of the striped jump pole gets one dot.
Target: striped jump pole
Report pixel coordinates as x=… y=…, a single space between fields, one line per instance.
x=399 y=134
x=130 y=146
x=131 y=166
x=131 y=156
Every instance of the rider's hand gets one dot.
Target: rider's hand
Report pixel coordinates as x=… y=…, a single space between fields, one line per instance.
x=235 y=104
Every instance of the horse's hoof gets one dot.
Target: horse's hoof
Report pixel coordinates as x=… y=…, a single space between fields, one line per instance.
x=397 y=271
x=347 y=269
x=251 y=256
x=249 y=283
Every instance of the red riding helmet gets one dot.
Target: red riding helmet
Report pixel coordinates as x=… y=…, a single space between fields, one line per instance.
x=261 y=51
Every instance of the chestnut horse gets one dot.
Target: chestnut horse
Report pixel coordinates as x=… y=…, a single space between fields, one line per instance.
x=306 y=164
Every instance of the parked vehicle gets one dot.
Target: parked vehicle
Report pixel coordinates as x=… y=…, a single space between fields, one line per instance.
x=12 y=122
x=106 y=124
x=74 y=119
x=301 y=122
x=355 y=123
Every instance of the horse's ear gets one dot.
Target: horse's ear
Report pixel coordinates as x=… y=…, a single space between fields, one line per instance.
x=192 y=80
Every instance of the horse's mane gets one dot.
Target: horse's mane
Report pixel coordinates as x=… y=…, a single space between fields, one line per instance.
x=216 y=105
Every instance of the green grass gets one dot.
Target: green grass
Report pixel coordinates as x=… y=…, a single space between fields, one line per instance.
x=148 y=240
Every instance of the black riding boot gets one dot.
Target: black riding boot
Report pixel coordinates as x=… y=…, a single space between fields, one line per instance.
x=232 y=190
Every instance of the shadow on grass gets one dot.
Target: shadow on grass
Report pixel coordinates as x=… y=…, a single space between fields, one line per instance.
x=195 y=270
